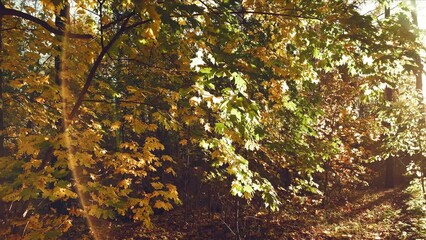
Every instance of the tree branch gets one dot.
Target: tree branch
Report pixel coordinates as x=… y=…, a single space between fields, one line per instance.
x=121 y=101
x=95 y=66
x=76 y=109
x=137 y=24
x=108 y=25
x=12 y=12
x=148 y=65
x=275 y=14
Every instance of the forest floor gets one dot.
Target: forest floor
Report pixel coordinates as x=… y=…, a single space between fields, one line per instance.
x=366 y=214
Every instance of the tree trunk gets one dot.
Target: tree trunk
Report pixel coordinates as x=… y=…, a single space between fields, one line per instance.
x=61 y=22
x=418 y=73
x=390 y=162
x=389 y=176
x=2 y=127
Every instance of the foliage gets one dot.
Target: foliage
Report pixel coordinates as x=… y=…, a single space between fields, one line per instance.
x=107 y=108
x=415 y=225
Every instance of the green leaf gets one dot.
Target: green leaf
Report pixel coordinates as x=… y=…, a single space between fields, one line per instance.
x=240 y=83
x=219 y=128
x=236 y=113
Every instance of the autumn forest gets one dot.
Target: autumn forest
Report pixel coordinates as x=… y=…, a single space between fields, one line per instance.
x=212 y=119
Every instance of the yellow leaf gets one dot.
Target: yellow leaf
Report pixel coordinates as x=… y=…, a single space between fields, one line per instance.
x=48 y=4
x=157 y=185
x=170 y=170
x=149 y=33
x=115 y=125
x=167 y=158
x=152 y=143
x=29 y=9
x=164 y=205
x=139 y=126
x=152 y=127
x=125 y=183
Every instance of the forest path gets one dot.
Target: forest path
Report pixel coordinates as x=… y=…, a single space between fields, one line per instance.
x=366 y=214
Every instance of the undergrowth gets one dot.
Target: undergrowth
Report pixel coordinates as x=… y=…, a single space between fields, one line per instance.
x=413 y=224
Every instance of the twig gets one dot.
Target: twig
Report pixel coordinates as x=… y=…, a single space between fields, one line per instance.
x=228 y=227
x=261 y=219
x=26 y=225
x=101 y=23
x=108 y=25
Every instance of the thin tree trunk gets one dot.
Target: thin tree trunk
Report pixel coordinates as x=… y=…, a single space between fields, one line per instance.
x=2 y=127
x=326 y=194
x=419 y=82
x=61 y=21
x=389 y=177
x=390 y=162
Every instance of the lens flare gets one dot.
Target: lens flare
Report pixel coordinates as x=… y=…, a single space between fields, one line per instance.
x=72 y=163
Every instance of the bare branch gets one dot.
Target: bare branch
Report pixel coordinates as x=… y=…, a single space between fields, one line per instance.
x=12 y=12
x=138 y=24
x=95 y=66
x=108 y=25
